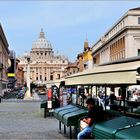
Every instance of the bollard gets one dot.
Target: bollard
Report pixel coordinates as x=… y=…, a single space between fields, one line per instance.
x=45 y=112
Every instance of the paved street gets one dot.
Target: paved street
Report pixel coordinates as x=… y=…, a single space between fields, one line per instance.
x=24 y=120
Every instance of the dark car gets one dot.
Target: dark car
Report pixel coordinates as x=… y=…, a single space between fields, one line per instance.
x=20 y=94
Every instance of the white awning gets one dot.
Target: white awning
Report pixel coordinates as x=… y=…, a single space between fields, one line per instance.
x=123 y=73
x=124 y=77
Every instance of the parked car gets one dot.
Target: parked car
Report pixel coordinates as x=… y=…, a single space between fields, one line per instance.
x=20 y=94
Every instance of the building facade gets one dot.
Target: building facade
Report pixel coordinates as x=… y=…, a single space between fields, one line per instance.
x=44 y=64
x=4 y=56
x=11 y=70
x=80 y=63
x=71 y=69
x=121 y=41
x=87 y=56
x=19 y=74
x=84 y=59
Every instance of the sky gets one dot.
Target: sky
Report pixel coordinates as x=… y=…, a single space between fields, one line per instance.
x=66 y=24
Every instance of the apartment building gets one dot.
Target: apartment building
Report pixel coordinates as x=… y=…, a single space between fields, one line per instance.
x=71 y=69
x=121 y=41
x=4 y=56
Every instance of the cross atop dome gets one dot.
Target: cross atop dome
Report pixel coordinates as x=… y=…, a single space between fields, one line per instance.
x=41 y=35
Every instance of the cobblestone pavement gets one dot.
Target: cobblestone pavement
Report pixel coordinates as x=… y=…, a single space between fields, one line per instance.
x=24 y=120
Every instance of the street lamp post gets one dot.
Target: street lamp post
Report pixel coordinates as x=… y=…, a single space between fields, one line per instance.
x=1 y=67
x=28 y=92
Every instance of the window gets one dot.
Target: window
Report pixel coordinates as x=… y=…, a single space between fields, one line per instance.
x=78 y=69
x=138 y=20
x=51 y=77
x=36 y=78
x=94 y=60
x=138 y=52
x=45 y=78
x=40 y=77
x=58 y=76
x=85 y=66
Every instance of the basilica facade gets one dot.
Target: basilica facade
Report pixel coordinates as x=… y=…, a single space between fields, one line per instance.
x=45 y=65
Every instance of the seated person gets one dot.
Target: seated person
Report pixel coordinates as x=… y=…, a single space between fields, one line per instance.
x=95 y=115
